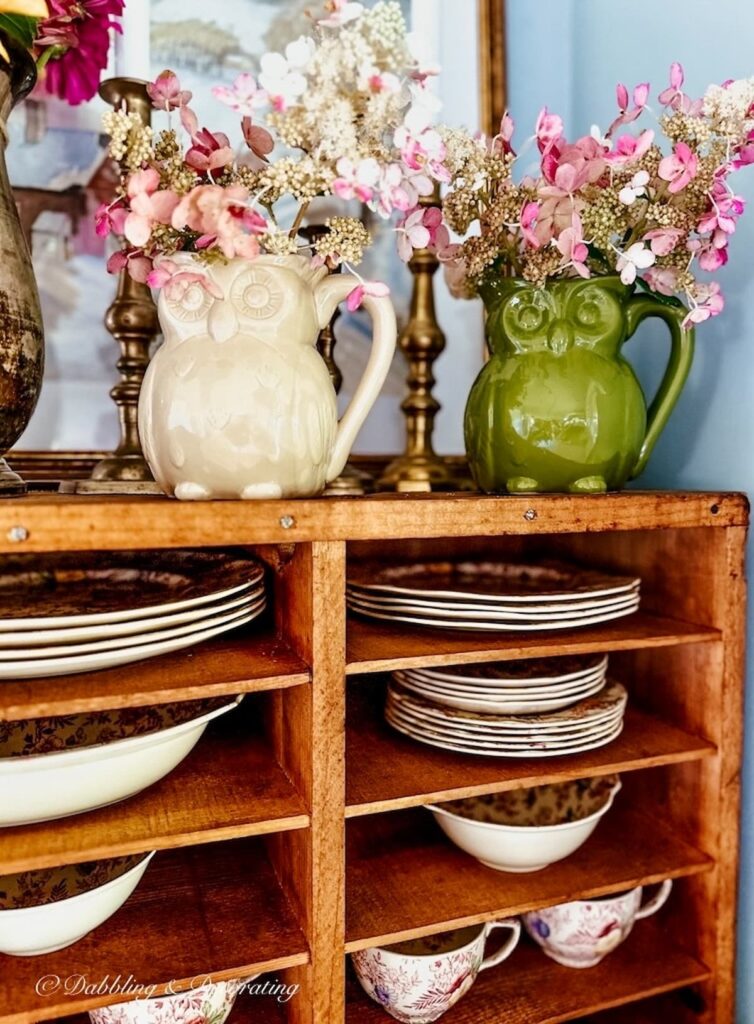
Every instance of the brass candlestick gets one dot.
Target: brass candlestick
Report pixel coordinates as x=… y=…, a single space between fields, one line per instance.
x=351 y=482
x=422 y=341
x=132 y=321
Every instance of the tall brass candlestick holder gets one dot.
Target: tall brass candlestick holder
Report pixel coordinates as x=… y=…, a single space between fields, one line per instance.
x=132 y=321
x=422 y=341
x=351 y=482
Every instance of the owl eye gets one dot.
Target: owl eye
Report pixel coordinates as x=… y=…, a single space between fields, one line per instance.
x=188 y=302
x=256 y=295
x=589 y=313
x=531 y=317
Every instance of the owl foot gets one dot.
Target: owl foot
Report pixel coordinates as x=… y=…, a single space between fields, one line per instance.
x=269 y=490
x=521 y=485
x=189 y=491
x=588 y=485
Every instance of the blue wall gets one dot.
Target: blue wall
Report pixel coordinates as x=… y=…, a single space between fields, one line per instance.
x=569 y=55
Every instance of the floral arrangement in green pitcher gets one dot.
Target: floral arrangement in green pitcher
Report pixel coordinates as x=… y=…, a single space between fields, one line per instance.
x=613 y=228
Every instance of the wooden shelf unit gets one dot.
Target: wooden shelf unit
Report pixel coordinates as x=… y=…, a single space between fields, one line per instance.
x=294 y=832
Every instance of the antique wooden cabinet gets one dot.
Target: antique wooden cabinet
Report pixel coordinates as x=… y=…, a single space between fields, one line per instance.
x=294 y=833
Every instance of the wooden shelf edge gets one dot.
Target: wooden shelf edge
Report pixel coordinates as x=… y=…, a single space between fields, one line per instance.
x=535 y=990
x=57 y=522
x=249 y=662
x=230 y=786
x=425 y=648
x=510 y=895
x=670 y=745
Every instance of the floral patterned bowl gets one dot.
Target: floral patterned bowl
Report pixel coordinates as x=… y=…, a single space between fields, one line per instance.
x=43 y=911
x=418 y=981
x=54 y=767
x=524 y=830
x=209 y=1003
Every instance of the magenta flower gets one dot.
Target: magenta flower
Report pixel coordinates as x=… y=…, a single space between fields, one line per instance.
x=662 y=279
x=110 y=217
x=167 y=274
x=680 y=168
x=663 y=240
x=81 y=30
x=630 y=147
x=210 y=151
x=674 y=98
x=258 y=140
x=627 y=116
x=222 y=219
x=365 y=290
x=529 y=215
x=244 y=96
x=356 y=180
x=708 y=302
x=134 y=261
x=574 y=250
x=725 y=210
x=166 y=93
x=571 y=165
x=548 y=129
x=149 y=205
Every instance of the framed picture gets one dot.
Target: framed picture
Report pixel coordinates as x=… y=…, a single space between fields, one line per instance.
x=55 y=149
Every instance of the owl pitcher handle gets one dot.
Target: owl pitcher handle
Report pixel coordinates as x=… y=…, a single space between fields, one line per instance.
x=329 y=293
x=681 y=353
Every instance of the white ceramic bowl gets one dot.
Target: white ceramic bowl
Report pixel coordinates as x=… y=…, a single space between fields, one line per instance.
x=43 y=786
x=44 y=927
x=209 y=1003
x=528 y=846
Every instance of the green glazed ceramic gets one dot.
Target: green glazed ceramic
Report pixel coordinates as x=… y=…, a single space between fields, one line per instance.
x=557 y=407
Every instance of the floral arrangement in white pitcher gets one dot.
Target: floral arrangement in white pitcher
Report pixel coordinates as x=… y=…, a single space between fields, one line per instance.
x=351 y=109
x=238 y=403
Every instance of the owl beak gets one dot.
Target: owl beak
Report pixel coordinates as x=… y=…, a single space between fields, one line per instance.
x=560 y=337
x=222 y=322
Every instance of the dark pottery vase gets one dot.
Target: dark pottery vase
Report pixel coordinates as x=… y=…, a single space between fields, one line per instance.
x=21 y=333
x=558 y=407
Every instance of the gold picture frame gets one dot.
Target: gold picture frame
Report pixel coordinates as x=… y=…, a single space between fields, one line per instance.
x=492 y=64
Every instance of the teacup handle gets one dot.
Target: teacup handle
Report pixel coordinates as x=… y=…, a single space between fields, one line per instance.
x=514 y=926
x=658 y=900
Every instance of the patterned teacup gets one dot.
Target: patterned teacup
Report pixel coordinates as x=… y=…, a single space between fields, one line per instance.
x=581 y=933
x=418 y=981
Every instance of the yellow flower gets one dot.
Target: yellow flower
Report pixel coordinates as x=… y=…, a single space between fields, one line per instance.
x=29 y=8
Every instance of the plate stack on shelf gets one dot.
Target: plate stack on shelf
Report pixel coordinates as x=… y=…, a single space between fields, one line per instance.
x=80 y=612
x=486 y=595
x=588 y=723
x=509 y=688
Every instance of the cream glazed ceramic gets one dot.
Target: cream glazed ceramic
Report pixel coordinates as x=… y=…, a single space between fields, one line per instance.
x=238 y=403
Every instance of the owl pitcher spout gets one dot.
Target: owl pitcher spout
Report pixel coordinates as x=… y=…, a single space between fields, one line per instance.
x=238 y=402
x=558 y=407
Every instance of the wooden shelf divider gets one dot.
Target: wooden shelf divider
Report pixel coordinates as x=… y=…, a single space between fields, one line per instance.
x=399 y=772
x=229 y=786
x=372 y=647
x=244 y=661
x=405 y=879
x=529 y=988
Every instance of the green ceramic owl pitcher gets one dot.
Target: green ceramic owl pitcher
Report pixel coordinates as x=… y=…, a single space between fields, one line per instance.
x=558 y=407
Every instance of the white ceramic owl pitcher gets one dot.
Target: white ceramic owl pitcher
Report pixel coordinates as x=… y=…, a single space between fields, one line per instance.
x=238 y=402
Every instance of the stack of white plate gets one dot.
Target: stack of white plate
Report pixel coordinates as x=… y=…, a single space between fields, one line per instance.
x=487 y=595
x=583 y=726
x=81 y=612
x=513 y=688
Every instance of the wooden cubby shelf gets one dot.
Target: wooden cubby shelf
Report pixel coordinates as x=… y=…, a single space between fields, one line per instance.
x=293 y=833
x=529 y=988
x=245 y=661
x=405 y=879
x=212 y=910
x=228 y=787
x=375 y=648
x=402 y=773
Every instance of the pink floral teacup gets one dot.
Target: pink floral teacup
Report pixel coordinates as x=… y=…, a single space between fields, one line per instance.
x=208 y=1003
x=581 y=933
x=418 y=981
